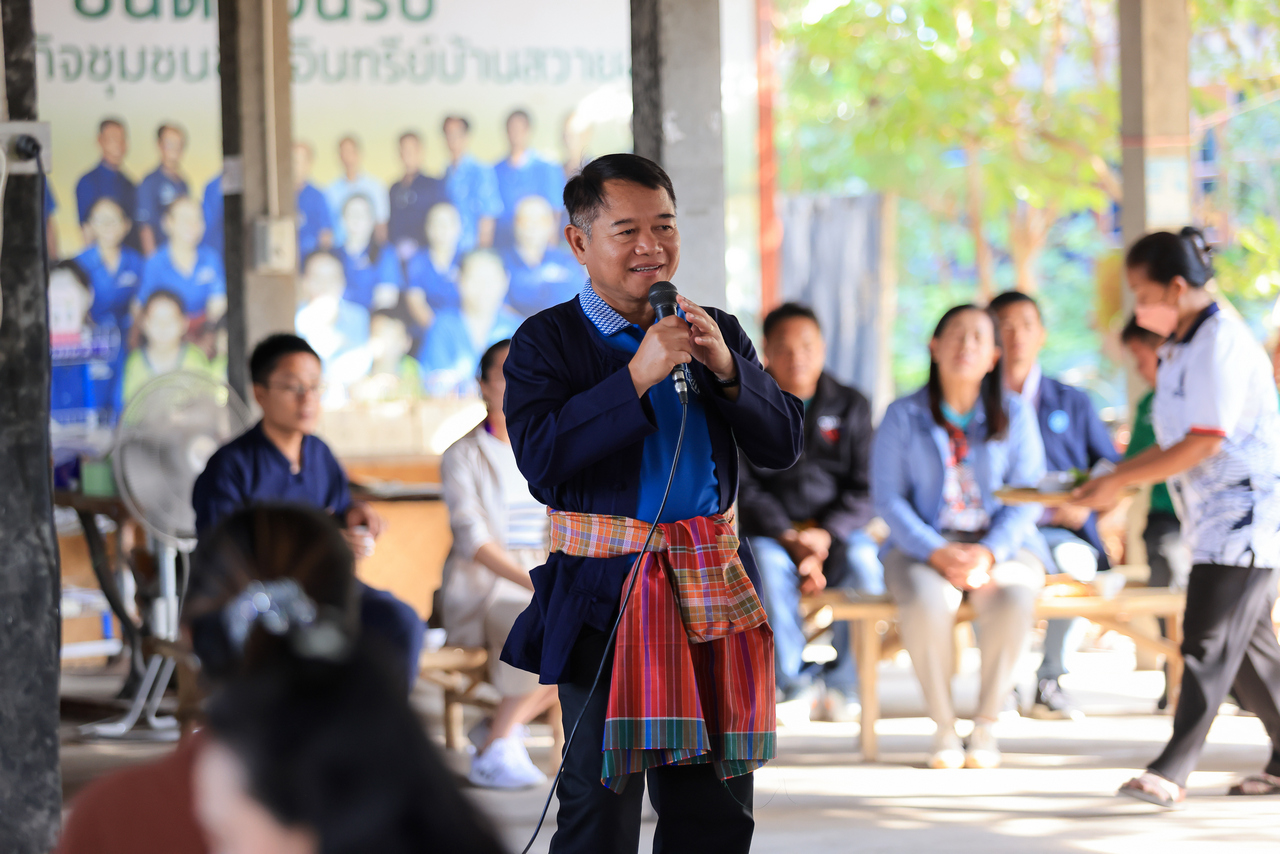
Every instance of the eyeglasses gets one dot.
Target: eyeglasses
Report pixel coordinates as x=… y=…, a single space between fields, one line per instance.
x=299 y=390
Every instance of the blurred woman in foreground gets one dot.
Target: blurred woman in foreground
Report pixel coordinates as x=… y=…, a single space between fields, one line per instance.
x=272 y=600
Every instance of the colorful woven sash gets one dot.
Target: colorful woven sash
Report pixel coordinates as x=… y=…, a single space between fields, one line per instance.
x=693 y=663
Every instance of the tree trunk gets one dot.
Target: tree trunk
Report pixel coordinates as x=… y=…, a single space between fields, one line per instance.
x=981 y=249
x=1028 y=234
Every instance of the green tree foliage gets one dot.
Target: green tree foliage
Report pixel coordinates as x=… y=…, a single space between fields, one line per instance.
x=992 y=119
x=896 y=94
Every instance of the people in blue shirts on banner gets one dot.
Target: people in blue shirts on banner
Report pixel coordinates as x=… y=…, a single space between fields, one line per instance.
x=541 y=275
x=164 y=323
x=72 y=396
x=333 y=326
x=524 y=172
x=315 y=226
x=471 y=186
x=108 y=177
x=394 y=374
x=115 y=272
x=576 y=137
x=451 y=349
x=214 y=219
x=159 y=189
x=411 y=197
x=431 y=275
x=354 y=182
x=373 y=272
x=114 y=269
x=186 y=268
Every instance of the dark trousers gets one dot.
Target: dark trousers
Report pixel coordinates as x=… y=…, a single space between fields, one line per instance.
x=697 y=813
x=396 y=626
x=1167 y=556
x=1228 y=640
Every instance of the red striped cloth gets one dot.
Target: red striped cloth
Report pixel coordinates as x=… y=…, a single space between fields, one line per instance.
x=693 y=663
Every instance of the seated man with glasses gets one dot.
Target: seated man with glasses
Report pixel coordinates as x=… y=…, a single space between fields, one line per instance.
x=278 y=459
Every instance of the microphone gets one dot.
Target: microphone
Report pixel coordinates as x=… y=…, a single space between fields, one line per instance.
x=662 y=296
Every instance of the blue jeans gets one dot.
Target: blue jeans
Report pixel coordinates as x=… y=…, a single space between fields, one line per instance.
x=1065 y=635
x=781 y=599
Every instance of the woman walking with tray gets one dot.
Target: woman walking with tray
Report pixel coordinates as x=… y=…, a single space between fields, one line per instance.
x=1218 y=446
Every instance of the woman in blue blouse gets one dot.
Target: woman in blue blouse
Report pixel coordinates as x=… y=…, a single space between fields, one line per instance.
x=939 y=457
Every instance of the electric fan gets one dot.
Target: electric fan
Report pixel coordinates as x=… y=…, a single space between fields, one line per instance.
x=167 y=433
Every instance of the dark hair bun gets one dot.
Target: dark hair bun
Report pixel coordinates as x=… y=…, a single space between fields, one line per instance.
x=1199 y=251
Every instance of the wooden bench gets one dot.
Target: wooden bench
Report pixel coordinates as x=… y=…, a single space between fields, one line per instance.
x=866 y=615
x=461 y=672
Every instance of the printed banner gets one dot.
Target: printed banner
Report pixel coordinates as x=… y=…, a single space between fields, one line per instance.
x=433 y=138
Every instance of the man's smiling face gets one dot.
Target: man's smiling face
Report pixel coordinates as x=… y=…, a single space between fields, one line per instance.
x=634 y=242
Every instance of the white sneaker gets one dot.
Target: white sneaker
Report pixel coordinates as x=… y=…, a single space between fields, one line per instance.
x=947 y=749
x=983 y=751
x=505 y=765
x=479 y=733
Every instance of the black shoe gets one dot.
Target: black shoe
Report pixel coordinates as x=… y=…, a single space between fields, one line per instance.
x=1052 y=703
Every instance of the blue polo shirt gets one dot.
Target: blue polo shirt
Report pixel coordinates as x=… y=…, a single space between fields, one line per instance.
x=313 y=218
x=112 y=290
x=251 y=469
x=214 y=220
x=364 y=273
x=101 y=181
x=473 y=189
x=409 y=205
x=156 y=192
x=72 y=393
x=207 y=279
x=555 y=279
x=695 y=490
x=449 y=356
x=440 y=289
x=536 y=177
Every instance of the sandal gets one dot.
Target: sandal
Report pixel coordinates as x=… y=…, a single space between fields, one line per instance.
x=1154 y=789
x=1258 y=784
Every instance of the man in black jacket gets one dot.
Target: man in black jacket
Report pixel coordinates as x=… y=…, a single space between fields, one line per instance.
x=805 y=523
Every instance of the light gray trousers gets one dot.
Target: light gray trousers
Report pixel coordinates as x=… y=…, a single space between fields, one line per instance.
x=927 y=605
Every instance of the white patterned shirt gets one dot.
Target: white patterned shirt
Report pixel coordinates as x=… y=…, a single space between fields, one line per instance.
x=1217 y=381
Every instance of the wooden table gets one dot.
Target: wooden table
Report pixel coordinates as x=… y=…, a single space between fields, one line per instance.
x=865 y=614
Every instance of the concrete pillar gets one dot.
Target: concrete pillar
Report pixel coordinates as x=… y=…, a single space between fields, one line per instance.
x=30 y=628
x=1155 y=116
x=675 y=85
x=257 y=183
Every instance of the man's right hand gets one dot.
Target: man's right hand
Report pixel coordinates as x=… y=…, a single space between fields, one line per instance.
x=665 y=345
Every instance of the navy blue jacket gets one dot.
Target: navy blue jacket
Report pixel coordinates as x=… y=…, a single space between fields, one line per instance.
x=577 y=428
x=1074 y=437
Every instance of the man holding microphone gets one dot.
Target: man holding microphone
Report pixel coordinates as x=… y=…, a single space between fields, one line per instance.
x=596 y=421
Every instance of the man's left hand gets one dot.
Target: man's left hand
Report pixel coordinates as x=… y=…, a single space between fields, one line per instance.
x=706 y=342
x=362 y=515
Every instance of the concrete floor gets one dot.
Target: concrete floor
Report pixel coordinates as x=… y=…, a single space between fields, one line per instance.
x=1055 y=792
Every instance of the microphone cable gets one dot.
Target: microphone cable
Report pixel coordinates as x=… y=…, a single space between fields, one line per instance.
x=613 y=633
